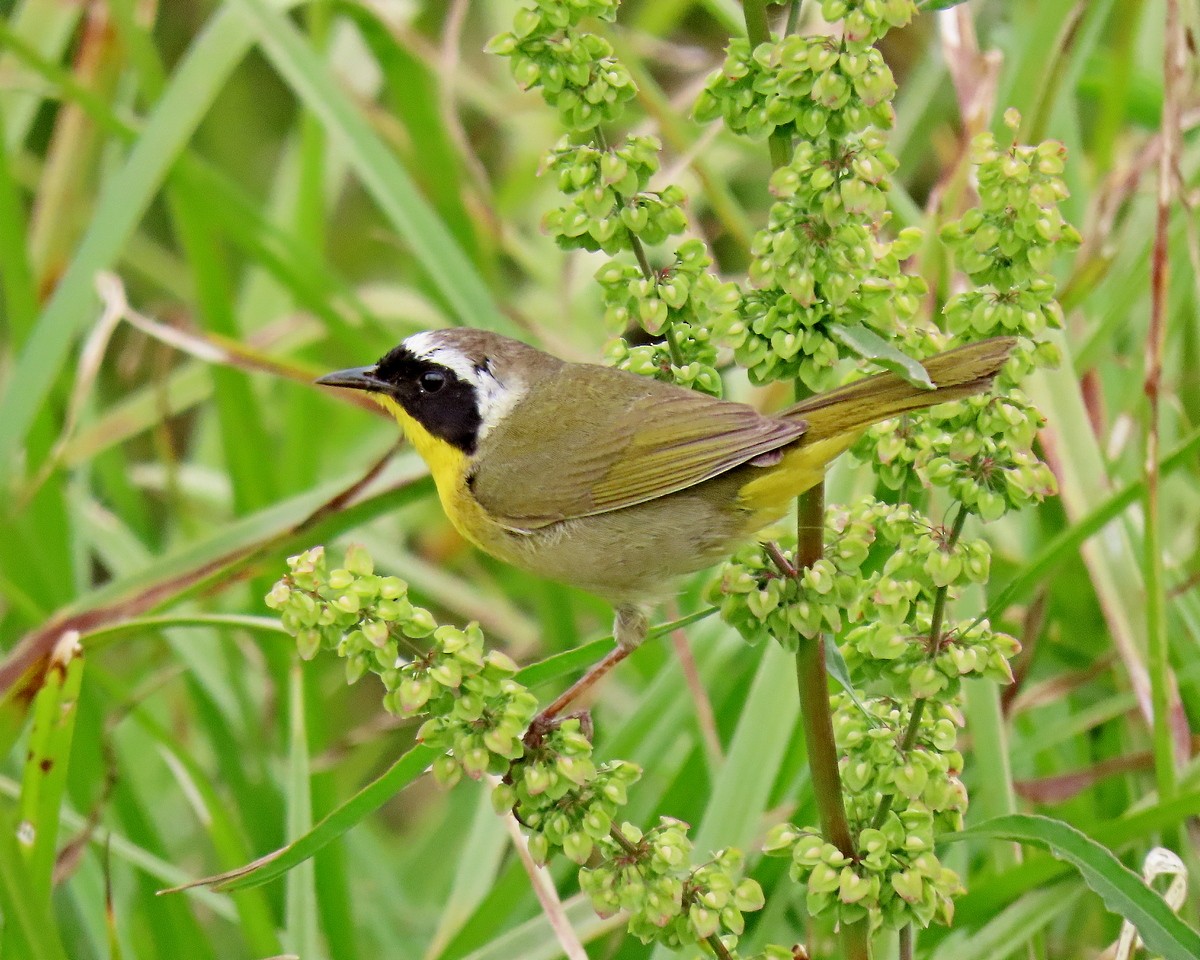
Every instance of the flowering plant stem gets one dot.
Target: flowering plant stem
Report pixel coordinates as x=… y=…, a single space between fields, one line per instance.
x=755 y=12
x=811 y=676
x=935 y=644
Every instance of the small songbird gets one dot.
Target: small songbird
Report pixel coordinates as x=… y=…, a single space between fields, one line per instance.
x=614 y=482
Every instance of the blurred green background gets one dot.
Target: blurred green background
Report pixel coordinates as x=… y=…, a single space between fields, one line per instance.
x=264 y=191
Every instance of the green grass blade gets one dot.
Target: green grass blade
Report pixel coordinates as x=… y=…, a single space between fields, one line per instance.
x=300 y=915
x=1067 y=543
x=1003 y=935
x=366 y=801
x=29 y=933
x=1122 y=890
x=479 y=863
x=49 y=26
x=45 y=779
x=19 y=289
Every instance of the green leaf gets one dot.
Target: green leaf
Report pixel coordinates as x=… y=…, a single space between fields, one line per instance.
x=835 y=664
x=369 y=799
x=1122 y=890
x=929 y=6
x=1067 y=543
x=54 y=711
x=301 y=901
x=871 y=346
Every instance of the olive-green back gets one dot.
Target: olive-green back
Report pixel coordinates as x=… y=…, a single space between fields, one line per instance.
x=590 y=439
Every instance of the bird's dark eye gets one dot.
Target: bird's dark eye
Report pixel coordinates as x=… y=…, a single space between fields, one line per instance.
x=431 y=381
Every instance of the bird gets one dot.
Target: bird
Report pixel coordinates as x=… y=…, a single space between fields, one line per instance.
x=613 y=482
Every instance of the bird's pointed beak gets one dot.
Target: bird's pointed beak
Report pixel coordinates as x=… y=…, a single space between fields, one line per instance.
x=356 y=378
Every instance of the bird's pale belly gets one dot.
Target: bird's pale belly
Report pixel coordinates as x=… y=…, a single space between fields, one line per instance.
x=628 y=555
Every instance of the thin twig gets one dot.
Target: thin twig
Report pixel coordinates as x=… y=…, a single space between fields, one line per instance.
x=546 y=894
x=705 y=717
x=937 y=618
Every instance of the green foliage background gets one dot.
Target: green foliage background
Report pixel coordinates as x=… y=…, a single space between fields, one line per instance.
x=287 y=189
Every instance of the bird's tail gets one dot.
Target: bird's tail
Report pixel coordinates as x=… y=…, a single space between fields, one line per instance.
x=837 y=418
x=961 y=372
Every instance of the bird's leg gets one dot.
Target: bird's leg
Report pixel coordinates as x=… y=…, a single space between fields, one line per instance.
x=629 y=630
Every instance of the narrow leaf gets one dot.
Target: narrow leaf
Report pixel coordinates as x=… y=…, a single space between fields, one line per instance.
x=871 y=346
x=369 y=799
x=1122 y=890
x=45 y=779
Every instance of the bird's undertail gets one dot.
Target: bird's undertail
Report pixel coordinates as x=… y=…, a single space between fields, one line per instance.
x=961 y=372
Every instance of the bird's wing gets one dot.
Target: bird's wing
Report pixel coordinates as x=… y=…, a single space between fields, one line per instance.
x=590 y=444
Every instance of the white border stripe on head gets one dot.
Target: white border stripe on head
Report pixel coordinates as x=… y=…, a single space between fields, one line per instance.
x=425 y=346
x=494 y=399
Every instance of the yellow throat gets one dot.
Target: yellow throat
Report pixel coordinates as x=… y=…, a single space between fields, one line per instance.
x=448 y=466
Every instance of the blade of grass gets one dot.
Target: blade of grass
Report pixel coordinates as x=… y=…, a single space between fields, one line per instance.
x=209 y=562
x=992 y=891
x=49 y=26
x=479 y=862
x=49 y=750
x=1068 y=542
x=1122 y=890
x=366 y=801
x=254 y=915
x=300 y=913
x=19 y=289
x=29 y=932
x=243 y=434
x=1004 y=934
x=133 y=854
x=740 y=794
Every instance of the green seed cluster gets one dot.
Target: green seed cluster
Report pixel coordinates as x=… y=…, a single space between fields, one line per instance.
x=561 y=797
x=758 y=599
x=678 y=293
x=684 y=302
x=655 y=360
x=608 y=201
x=899 y=657
x=922 y=780
x=479 y=712
x=885 y=571
x=567 y=803
x=1008 y=243
x=482 y=729
x=982 y=454
x=609 y=206
x=348 y=609
x=896 y=876
x=876 y=587
x=649 y=875
x=480 y=717
x=821 y=264
x=800 y=87
x=980 y=450
x=576 y=71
